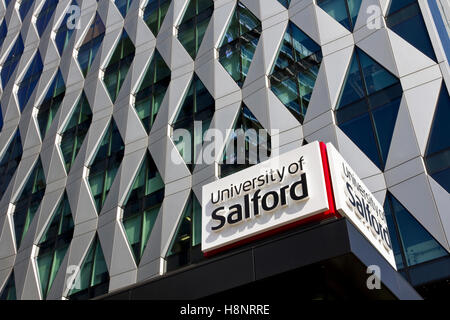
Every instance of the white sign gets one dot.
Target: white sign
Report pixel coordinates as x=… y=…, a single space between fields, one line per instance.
x=266 y=196
x=354 y=201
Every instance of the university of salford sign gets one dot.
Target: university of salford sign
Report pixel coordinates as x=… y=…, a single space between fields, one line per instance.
x=285 y=191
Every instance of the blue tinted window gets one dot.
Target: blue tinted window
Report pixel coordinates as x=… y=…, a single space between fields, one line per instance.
x=3 y=32
x=64 y=33
x=29 y=81
x=10 y=161
x=343 y=11
x=437 y=157
x=25 y=6
x=408 y=23
x=368 y=106
x=123 y=6
x=45 y=15
x=11 y=62
x=285 y=3
x=416 y=243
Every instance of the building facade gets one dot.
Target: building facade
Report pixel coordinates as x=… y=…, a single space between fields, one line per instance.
x=99 y=194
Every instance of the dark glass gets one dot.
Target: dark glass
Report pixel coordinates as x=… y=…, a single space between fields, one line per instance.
x=11 y=62
x=194 y=23
x=246 y=123
x=198 y=105
x=25 y=6
x=154 y=14
x=64 y=33
x=75 y=132
x=142 y=206
x=239 y=43
x=49 y=107
x=437 y=155
x=285 y=3
x=416 y=243
x=119 y=65
x=104 y=167
x=29 y=201
x=295 y=71
x=10 y=161
x=45 y=15
x=368 y=106
x=343 y=11
x=152 y=90
x=93 y=278
x=3 y=31
x=187 y=239
x=54 y=244
x=9 y=291
x=123 y=6
x=405 y=19
x=91 y=44
x=30 y=80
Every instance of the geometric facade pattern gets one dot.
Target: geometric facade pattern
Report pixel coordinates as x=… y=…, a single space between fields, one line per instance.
x=104 y=253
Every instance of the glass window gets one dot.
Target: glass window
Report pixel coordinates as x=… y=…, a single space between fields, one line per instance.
x=198 y=107
x=416 y=244
x=49 y=107
x=29 y=201
x=105 y=165
x=9 y=291
x=405 y=18
x=154 y=14
x=194 y=23
x=93 y=278
x=152 y=90
x=25 y=6
x=295 y=71
x=437 y=155
x=11 y=62
x=343 y=11
x=368 y=106
x=188 y=235
x=30 y=80
x=285 y=3
x=1 y=118
x=54 y=244
x=75 y=131
x=10 y=161
x=3 y=31
x=142 y=206
x=64 y=32
x=239 y=43
x=45 y=15
x=123 y=6
x=118 y=66
x=91 y=44
x=248 y=144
